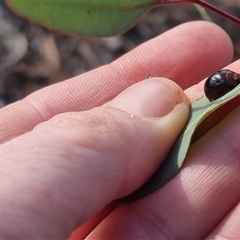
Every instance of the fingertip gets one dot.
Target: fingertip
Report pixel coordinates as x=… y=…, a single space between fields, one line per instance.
x=217 y=37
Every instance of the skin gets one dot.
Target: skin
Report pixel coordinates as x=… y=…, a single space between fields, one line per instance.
x=69 y=150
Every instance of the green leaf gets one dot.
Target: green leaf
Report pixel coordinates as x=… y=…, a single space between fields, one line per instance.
x=96 y=18
x=199 y=110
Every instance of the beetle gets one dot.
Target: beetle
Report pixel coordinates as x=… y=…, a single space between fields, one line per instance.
x=220 y=83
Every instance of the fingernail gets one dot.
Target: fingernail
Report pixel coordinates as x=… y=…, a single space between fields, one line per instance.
x=154 y=97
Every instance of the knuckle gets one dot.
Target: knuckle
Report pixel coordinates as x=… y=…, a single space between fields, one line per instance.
x=103 y=126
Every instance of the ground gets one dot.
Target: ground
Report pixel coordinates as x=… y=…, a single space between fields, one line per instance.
x=33 y=57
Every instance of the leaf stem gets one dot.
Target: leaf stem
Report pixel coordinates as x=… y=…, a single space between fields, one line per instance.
x=203 y=4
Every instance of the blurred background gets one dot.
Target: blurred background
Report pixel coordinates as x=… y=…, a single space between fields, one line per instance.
x=32 y=57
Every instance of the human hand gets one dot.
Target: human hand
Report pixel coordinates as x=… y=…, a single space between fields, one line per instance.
x=59 y=173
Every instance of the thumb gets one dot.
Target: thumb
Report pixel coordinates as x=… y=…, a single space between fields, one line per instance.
x=68 y=168
x=155 y=112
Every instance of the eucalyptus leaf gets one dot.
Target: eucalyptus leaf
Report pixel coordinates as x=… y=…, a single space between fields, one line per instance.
x=94 y=18
x=199 y=110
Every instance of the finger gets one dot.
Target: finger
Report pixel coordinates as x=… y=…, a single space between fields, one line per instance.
x=192 y=204
x=83 y=231
x=186 y=54
x=229 y=227
x=70 y=167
